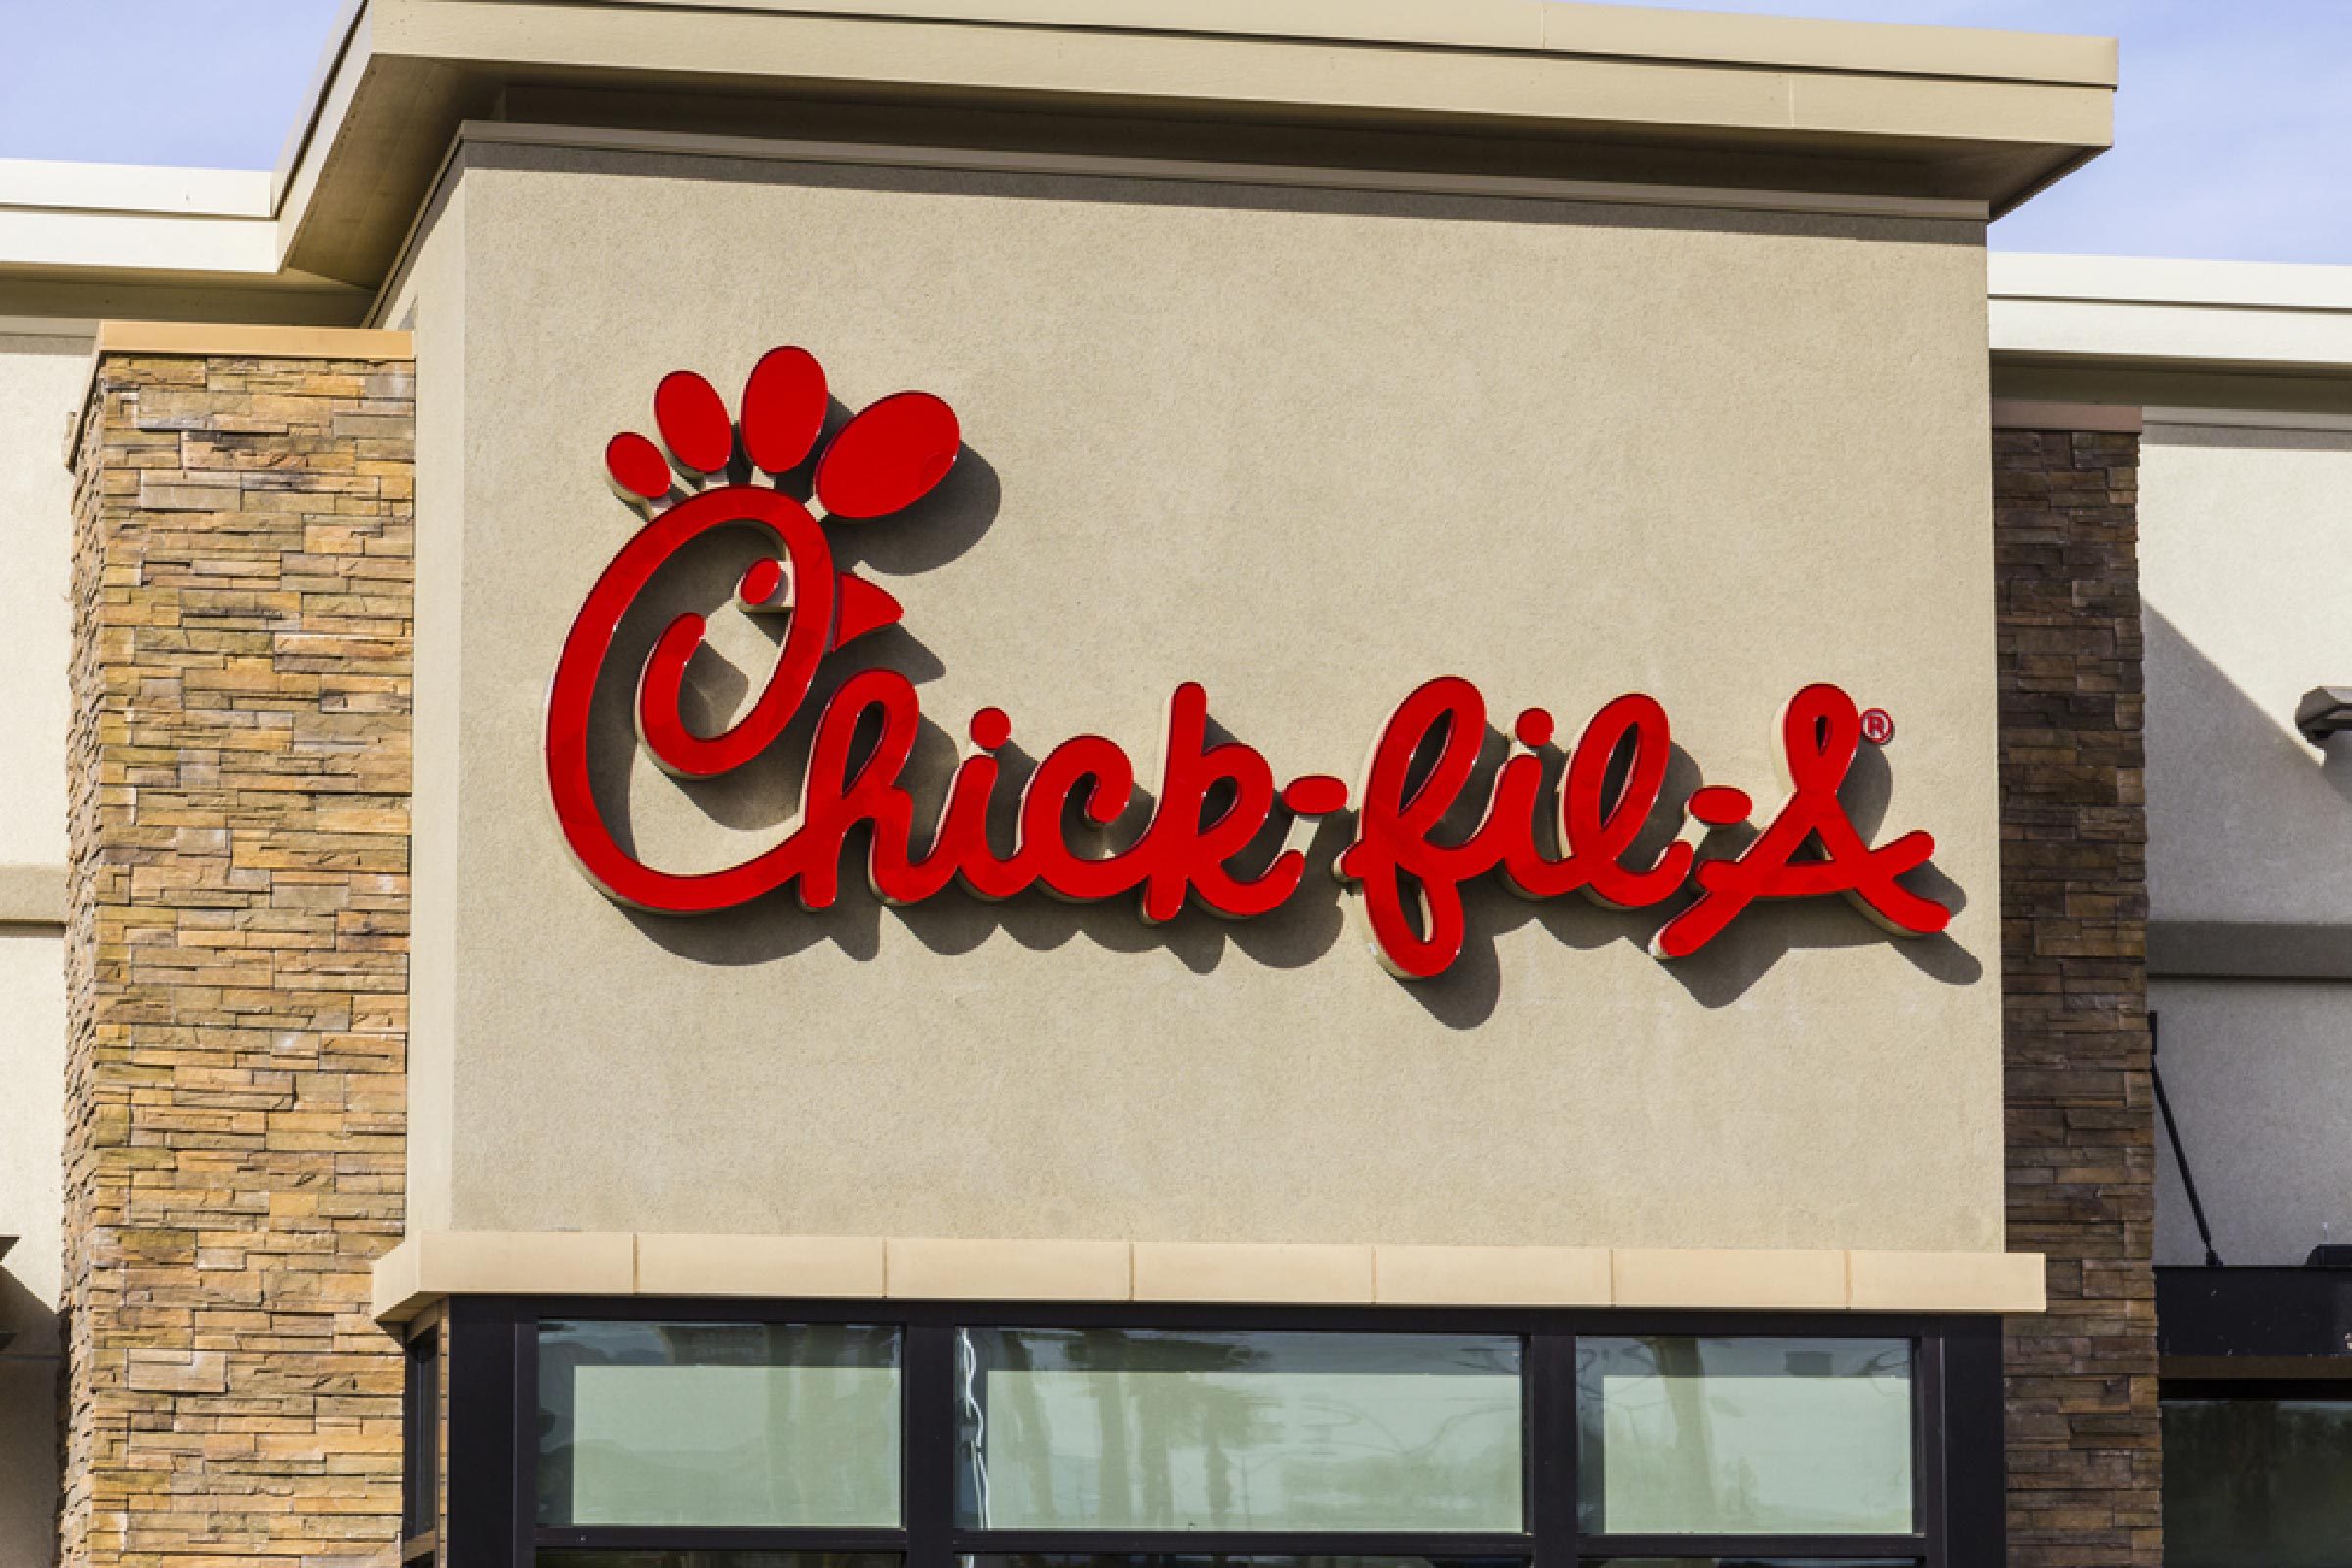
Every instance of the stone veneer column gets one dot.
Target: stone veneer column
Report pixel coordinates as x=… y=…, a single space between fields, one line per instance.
x=237 y=946
x=2083 y=1448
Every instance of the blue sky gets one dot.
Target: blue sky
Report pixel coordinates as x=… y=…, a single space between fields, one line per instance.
x=2233 y=129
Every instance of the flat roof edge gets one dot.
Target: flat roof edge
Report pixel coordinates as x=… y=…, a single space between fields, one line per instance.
x=41 y=184
x=2165 y=281
x=1551 y=27
x=2157 y=317
x=1914 y=103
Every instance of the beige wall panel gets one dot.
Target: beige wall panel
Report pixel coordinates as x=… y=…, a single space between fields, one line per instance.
x=40 y=381
x=40 y=377
x=32 y=1131
x=2246 y=551
x=1310 y=451
x=432 y=300
x=2259 y=1077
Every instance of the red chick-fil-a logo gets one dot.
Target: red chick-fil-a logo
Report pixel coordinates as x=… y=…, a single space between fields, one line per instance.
x=1406 y=873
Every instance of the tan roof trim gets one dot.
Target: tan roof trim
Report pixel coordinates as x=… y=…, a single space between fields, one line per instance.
x=2032 y=414
x=1620 y=32
x=33 y=894
x=429 y=1266
x=273 y=342
x=1101 y=55
x=1892 y=110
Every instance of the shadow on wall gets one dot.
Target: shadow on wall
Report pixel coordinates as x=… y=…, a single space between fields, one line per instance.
x=2247 y=823
x=2245 y=820
x=29 y=1369
x=761 y=797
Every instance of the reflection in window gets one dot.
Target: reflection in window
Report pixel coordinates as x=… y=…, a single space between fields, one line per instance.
x=1744 y=1436
x=718 y=1424
x=1121 y=1428
x=2257 y=1482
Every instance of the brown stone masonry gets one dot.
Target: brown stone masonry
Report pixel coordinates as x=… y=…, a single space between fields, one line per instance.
x=2083 y=1459
x=236 y=959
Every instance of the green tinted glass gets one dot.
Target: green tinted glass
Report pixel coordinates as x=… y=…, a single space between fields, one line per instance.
x=718 y=1424
x=1118 y=1429
x=1744 y=1436
x=2257 y=1482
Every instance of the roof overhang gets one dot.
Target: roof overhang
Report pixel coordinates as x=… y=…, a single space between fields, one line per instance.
x=1561 y=91
x=2190 y=335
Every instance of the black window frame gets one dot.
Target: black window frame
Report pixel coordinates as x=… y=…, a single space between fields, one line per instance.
x=419 y=1440
x=490 y=1365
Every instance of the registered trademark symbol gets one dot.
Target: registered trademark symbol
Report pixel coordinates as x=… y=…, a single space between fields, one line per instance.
x=1878 y=725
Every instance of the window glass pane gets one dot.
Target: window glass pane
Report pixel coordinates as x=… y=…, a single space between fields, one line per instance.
x=420 y=1436
x=1114 y=1429
x=718 y=1424
x=2264 y=1482
x=715 y=1559
x=1744 y=1436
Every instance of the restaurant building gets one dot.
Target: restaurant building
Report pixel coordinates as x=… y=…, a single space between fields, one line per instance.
x=1057 y=785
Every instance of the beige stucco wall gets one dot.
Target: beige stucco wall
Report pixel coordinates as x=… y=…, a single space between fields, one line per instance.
x=1309 y=450
x=430 y=299
x=2246 y=546
x=40 y=377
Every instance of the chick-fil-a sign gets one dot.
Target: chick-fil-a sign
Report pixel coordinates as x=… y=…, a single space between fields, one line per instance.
x=1214 y=798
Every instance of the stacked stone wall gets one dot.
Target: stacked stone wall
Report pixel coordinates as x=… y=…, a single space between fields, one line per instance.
x=238 y=775
x=2085 y=1461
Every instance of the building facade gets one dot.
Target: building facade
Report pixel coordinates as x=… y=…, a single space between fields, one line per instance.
x=1048 y=784
x=2242 y=376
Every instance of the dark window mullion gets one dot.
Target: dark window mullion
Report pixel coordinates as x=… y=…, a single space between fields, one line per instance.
x=524 y=1335
x=1744 y=1547
x=1235 y=1544
x=716 y=1538
x=1927 y=1477
x=927 y=1439
x=1551 y=1448
x=1973 y=1472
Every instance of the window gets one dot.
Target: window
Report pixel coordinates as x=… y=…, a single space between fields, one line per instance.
x=2257 y=1475
x=635 y=1434
x=420 y=1453
x=1746 y=1435
x=718 y=1424
x=1153 y=1429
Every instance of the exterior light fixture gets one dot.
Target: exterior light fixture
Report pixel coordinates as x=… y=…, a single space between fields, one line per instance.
x=2325 y=710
